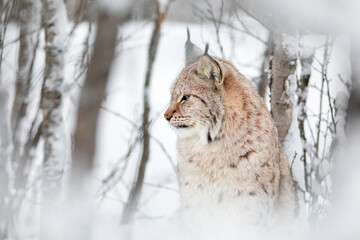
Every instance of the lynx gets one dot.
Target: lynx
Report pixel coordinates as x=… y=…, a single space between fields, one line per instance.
x=230 y=161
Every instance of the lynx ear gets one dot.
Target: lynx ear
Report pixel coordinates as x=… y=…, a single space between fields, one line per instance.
x=192 y=52
x=209 y=68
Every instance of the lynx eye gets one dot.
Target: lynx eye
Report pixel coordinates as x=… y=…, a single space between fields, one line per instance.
x=185 y=97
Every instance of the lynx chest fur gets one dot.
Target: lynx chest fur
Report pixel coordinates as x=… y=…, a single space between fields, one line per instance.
x=230 y=161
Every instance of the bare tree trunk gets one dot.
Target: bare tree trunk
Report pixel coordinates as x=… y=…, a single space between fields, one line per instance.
x=5 y=161
x=134 y=194
x=30 y=16
x=353 y=111
x=54 y=21
x=283 y=66
x=6 y=9
x=92 y=95
x=6 y=168
x=30 y=23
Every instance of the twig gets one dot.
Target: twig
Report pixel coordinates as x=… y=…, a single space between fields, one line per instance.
x=161 y=187
x=252 y=16
x=120 y=116
x=117 y=172
x=199 y=13
x=346 y=84
x=165 y=152
x=133 y=199
x=323 y=79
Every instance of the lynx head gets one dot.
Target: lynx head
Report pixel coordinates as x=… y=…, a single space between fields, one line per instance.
x=196 y=107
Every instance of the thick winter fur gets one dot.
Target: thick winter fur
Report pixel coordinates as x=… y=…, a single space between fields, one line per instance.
x=230 y=161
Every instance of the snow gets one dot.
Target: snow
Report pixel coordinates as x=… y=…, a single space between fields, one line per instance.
x=341 y=104
x=290 y=45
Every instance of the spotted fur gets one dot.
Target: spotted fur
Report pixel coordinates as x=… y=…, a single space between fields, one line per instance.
x=228 y=145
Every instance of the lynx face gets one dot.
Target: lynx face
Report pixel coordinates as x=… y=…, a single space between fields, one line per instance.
x=196 y=107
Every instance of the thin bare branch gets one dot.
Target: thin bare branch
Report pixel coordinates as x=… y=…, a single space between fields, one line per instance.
x=134 y=194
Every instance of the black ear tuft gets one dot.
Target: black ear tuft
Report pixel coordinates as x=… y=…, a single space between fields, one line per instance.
x=192 y=52
x=206 y=49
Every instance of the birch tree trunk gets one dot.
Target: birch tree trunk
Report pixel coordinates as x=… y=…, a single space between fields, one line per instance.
x=283 y=66
x=30 y=23
x=54 y=22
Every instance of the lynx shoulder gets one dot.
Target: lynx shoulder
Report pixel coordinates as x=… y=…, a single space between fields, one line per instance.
x=230 y=161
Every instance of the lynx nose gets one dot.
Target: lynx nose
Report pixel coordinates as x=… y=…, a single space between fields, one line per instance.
x=169 y=114
x=167 y=117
